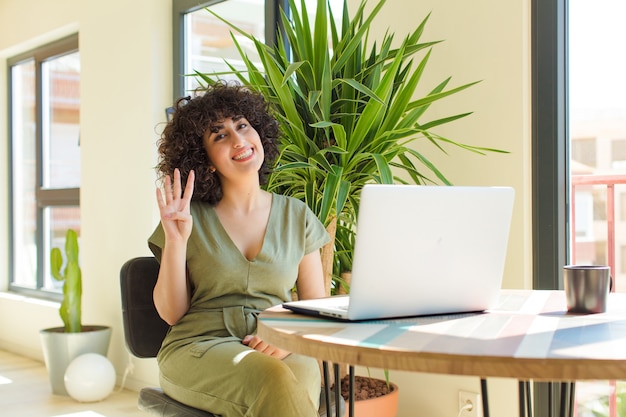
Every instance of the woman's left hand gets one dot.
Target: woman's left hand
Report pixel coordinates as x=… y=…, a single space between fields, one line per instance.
x=256 y=343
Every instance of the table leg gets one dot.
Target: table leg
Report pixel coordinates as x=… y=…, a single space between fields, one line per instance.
x=572 y=398
x=351 y=390
x=528 y=399
x=483 y=392
x=564 y=401
x=551 y=395
x=337 y=389
x=338 y=400
x=327 y=387
x=525 y=406
x=567 y=399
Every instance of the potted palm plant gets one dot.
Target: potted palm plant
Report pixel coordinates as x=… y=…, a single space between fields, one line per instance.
x=62 y=344
x=348 y=113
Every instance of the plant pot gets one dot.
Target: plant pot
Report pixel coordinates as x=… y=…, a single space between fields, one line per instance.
x=383 y=406
x=60 y=348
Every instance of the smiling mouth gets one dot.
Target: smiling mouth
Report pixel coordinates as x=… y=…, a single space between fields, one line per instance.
x=243 y=155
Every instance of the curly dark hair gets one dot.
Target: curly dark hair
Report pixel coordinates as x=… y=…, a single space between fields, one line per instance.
x=182 y=142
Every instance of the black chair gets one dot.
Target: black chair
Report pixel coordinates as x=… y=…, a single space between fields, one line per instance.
x=144 y=331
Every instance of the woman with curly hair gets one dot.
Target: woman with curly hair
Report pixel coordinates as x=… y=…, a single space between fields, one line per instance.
x=228 y=250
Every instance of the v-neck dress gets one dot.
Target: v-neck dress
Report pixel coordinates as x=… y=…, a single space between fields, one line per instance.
x=202 y=361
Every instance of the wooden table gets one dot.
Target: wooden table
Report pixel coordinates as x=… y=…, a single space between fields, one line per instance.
x=528 y=336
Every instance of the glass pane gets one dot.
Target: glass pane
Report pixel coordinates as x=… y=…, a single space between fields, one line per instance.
x=23 y=134
x=597 y=123
x=209 y=40
x=57 y=221
x=60 y=124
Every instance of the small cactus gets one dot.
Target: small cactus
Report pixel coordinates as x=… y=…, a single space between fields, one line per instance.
x=70 y=310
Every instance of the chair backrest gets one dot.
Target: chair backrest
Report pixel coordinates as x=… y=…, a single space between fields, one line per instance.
x=144 y=330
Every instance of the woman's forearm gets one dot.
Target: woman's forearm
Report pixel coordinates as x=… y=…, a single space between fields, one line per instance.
x=171 y=292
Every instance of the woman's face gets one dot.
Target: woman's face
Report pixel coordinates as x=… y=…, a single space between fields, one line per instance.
x=234 y=147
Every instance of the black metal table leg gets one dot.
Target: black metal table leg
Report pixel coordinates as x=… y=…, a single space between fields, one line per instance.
x=522 y=398
x=567 y=399
x=326 y=387
x=483 y=392
x=338 y=400
x=564 y=402
x=528 y=399
x=337 y=389
x=351 y=390
x=572 y=398
x=550 y=399
x=525 y=401
x=529 y=402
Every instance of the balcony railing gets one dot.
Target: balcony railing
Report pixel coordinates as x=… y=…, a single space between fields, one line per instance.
x=609 y=181
x=579 y=182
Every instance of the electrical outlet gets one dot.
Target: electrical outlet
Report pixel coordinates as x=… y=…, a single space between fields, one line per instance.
x=467 y=397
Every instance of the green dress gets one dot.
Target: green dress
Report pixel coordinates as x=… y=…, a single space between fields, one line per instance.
x=202 y=361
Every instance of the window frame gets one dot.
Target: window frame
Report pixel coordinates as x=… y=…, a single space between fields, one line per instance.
x=550 y=161
x=181 y=7
x=44 y=197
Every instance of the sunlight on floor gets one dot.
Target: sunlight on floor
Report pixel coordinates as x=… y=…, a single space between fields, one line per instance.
x=81 y=414
x=25 y=392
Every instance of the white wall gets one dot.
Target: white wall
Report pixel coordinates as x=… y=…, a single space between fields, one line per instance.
x=126 y=84
x=126 y=51
x=22 y=29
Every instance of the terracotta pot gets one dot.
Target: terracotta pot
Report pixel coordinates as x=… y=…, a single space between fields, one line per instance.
x=385 y=406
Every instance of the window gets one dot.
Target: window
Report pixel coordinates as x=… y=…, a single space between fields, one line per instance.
x=209 y=43
x=599 y=203
x=585 y=212
x=583 y=151
x=622 y=207
x=576 y=81
x=618 y=154
x=202 y=42
x=44 y=108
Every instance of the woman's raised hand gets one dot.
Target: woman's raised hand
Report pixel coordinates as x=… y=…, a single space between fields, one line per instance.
x=174 y=207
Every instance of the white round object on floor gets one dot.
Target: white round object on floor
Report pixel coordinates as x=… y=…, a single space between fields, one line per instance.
x=90 y=377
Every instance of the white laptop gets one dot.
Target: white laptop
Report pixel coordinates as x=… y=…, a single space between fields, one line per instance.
x=423 y=250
